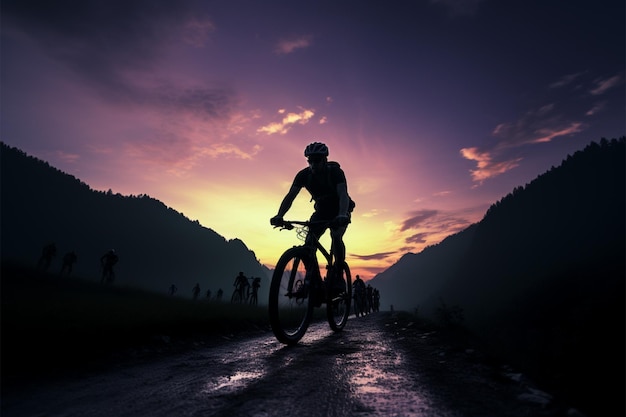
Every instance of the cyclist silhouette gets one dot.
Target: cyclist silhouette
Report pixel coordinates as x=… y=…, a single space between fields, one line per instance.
x=256 y=283
x=107 y=261
x=196 y=290
x=47 y=253
x=376 y=295
x=173 y=289
x=326 y=182
x=219 y=295
x=241 y=285
x=369 y=291
x=359 y=296
x=69 y=259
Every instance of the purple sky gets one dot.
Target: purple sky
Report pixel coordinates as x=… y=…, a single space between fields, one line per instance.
x=435 y=109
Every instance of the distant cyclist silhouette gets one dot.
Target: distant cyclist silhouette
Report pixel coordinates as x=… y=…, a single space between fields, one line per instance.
x=173 y=289
x=47 y=253
x=69 y=259
x=196 y=291
x=369 y=293
x=256 y=283
x=107 y=261
x=219 y=295
x=241 y=285
x=376 y=297
x=359 y=296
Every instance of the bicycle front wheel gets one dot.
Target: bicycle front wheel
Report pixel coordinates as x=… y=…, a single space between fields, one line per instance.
x=338 y=300
x=290 y=311
x=236 y=298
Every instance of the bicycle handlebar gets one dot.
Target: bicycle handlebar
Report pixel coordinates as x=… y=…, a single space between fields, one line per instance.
x=290 y=224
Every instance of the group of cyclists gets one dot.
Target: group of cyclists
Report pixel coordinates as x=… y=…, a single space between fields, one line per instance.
x=107 y=261
x=246 y=290
x=366 y=298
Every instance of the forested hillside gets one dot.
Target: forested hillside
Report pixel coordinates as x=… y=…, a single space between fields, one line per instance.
x=157 y=246
x=568 y=218
x=540 y=278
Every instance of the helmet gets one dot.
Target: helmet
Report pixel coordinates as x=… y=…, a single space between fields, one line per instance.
x=316 y=148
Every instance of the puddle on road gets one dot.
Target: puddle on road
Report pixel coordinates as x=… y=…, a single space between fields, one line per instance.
x=378 y=381
x=231 y=383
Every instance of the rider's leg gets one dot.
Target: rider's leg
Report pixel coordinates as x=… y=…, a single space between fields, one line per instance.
x=339 y=248
x=312 y=278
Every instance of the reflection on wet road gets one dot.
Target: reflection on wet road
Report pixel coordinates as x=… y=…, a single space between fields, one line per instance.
x=356 y=372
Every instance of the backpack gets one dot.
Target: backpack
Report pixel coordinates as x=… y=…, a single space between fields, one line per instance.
x=333 y=165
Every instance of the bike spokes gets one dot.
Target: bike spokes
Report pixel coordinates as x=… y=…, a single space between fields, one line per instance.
x=290 y=308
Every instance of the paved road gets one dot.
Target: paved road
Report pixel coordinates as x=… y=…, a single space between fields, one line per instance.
x=367 y=370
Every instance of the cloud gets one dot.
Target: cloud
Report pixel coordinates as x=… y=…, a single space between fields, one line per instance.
x=432 y=224
x=417 y=218
x=287 y=122
x=434 y=221
x=197 y=31
x=116 y=47
x=69 y=158
x=540 y=125
x=417 y=238
x=597 y=108
x=231 y=149
x=486 y=167
x=288 y=46
x=536 y=126
x=548 y=133
x=203 y=102
x=603 y=85
x=374 y=257
x=373 y=213
x=566 y=80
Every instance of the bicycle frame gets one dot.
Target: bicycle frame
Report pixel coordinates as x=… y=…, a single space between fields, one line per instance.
x=314 y=244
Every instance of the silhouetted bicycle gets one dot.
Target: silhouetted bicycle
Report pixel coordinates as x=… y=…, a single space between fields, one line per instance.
x=297 y=287
x=241 y=295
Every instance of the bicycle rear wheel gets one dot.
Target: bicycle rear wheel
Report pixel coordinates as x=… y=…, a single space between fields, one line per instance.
x=338 y=302
x=290 y=315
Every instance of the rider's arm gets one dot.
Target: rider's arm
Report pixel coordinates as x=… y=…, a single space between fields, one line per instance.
x=288 y=200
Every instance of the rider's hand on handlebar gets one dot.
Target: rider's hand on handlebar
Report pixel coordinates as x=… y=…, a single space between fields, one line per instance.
x=277 y=221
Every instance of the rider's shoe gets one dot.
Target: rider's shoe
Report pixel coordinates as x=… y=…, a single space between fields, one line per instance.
x=338 y=284
x=302 y=291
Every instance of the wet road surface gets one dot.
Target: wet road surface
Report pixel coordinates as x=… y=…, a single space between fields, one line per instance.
x=366 y=370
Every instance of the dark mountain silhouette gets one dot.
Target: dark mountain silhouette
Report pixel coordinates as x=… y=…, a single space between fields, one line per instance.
x=541 y=277
x=157 y=246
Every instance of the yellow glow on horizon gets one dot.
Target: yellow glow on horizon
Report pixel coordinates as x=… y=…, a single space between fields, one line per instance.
x=247 y=215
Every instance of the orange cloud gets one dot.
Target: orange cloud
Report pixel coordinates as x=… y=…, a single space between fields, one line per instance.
x=548 y=134
x=287 y=122
x=486 y=167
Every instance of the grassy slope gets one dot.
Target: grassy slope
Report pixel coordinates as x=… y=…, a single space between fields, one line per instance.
x=51 y=322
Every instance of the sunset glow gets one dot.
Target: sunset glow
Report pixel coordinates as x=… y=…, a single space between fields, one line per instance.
x=208 y=106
